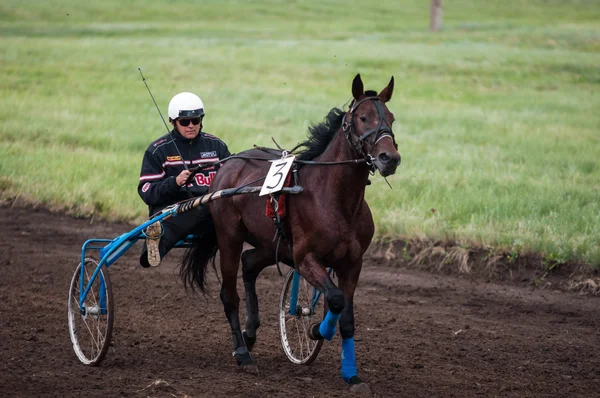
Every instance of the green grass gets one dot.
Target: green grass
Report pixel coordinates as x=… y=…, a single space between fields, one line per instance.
x=498 y=120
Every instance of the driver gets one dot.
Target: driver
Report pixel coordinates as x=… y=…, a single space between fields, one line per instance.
x=164 y=174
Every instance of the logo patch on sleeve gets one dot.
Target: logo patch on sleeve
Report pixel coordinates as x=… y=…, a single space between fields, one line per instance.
x=173 y=158
x=211 y=154
x=146 y=187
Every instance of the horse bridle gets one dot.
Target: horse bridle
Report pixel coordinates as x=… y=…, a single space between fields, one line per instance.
x=382 y=130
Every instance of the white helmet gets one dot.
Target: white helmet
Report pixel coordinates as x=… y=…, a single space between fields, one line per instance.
x=185 y=105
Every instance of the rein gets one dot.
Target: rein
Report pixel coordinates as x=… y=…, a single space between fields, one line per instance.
x=200 y=167
x=206 y=165
x=382 y=130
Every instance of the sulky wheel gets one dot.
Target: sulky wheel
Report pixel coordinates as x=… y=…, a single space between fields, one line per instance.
x=293 y=328
x=90 y=325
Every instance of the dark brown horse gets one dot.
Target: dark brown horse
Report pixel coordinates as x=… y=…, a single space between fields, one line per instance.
x=328 y=225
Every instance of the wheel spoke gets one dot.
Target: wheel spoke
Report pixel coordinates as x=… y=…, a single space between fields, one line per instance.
x=299 y=338
x=305 y=335
x=91 y=293
x=92 y=334
x=91 y=339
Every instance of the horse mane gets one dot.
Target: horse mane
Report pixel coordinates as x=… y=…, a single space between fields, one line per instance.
x=320 y=135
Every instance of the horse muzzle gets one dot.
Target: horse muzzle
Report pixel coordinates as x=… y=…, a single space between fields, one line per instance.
x=387 y=163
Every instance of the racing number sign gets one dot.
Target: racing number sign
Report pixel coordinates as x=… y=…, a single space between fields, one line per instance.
x=276 y=175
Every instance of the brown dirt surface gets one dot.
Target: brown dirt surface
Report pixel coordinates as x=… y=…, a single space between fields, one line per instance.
x=418 y=334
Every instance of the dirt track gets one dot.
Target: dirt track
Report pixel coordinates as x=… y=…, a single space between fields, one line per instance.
x=418 y=334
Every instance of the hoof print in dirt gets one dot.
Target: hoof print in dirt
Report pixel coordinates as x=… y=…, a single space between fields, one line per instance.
x=250 y=369
x=360 y=388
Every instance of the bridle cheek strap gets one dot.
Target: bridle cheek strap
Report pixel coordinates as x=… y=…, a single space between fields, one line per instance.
x=382 y=130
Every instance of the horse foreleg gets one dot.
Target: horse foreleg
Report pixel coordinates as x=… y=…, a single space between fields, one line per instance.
x=231 y=301
x=253 y=262
x=315 y=274
x=349 y=370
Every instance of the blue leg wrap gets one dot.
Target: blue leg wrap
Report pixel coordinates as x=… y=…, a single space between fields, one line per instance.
x=348 y=360
x=327 y=326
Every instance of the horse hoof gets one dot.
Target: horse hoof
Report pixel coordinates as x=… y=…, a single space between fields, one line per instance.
x=245 y=361
x=313 y=331
x=243 y=358
x=360 y=388
x=250 y=369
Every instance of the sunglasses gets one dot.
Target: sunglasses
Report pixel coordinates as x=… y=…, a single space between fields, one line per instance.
x=186 y=122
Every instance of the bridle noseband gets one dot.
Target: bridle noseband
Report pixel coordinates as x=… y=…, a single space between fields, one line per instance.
x=382 y=130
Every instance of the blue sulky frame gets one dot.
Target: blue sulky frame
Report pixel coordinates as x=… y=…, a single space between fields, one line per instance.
x=96 y=343
x=111 y=253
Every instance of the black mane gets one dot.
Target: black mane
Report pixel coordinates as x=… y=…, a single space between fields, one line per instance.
x=320 y=135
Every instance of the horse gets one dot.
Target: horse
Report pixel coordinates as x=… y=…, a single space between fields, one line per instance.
x=329 y=225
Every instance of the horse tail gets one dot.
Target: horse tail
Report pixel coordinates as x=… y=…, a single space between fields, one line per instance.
x=197 y=257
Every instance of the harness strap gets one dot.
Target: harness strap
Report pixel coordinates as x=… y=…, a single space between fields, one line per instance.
x=198 y=168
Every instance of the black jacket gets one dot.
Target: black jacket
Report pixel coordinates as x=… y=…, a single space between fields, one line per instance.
x=162 y=164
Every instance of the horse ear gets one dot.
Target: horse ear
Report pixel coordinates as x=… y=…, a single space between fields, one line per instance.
x=386 y=93
x=358 y=90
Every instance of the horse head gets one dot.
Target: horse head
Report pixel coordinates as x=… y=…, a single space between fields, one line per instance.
x=368 y=127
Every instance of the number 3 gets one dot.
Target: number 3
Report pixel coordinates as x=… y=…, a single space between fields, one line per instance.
x=278 y=173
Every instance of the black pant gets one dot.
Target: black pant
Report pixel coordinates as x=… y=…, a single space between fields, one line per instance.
x=196 y=221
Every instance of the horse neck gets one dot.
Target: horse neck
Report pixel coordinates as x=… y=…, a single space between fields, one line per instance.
x=344 y=183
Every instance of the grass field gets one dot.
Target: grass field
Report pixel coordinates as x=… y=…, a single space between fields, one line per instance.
x=498 y=114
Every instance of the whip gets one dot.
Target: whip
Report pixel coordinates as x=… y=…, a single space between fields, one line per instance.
x=163 y=119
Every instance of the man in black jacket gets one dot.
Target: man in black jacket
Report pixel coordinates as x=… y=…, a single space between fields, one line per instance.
x=165 y=172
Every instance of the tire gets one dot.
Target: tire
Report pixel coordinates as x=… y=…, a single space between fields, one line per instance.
x=91 y=329
x=293 y=329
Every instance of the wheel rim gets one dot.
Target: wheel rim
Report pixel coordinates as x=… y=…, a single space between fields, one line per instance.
x=91 y=328
x=298 y=347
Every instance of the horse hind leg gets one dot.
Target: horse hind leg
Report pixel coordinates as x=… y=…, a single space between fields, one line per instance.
x=230 y=257
x=253 y=262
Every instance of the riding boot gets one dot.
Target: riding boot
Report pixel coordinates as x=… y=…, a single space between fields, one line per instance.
x=153 y=234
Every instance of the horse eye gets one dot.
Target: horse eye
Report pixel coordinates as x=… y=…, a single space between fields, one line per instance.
x=363 y=119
